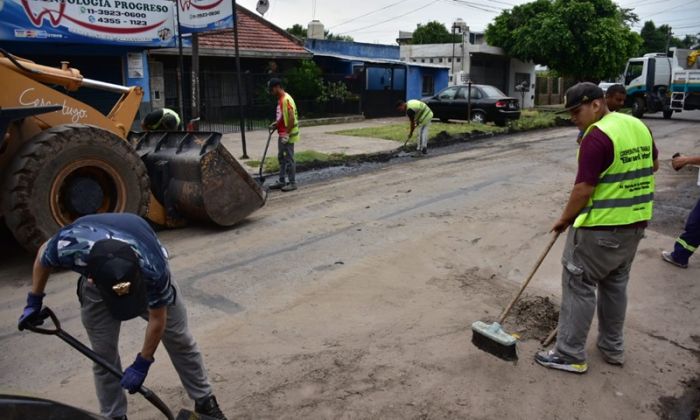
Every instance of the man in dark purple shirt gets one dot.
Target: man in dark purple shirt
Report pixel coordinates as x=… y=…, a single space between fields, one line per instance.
x=600 y=249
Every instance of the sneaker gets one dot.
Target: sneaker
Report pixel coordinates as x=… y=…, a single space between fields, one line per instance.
x=290 y=187
x=553 y=360
x=668 y=257
x=424 y=150
x=209 y=407
x=278 y=185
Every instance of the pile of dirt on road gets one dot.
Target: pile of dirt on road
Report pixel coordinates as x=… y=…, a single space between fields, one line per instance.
x=533 y=318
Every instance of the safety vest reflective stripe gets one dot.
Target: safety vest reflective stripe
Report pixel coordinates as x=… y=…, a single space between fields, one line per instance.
x=641 y=173
x=686 y=245
x=619 y=202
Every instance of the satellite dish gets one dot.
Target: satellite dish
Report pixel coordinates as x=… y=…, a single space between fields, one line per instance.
x=263 y=6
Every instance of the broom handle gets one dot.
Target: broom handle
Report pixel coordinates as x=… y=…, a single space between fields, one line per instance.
x=547 y=341
x=506 y=311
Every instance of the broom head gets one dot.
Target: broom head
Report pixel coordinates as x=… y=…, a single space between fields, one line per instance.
x=492 y=339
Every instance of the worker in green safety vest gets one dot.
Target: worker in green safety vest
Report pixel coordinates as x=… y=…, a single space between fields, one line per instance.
x=287 y=124
x=608 y=209
x=420 y=115
x=161 y=119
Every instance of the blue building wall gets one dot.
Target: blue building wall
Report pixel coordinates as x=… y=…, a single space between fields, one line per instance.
x=415 y=80
x=358 y=49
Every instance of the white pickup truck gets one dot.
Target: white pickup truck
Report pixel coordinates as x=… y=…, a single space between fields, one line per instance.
x=666 y=83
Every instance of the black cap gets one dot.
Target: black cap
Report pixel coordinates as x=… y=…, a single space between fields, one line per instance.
x=274 y=82
x=581 y=93
x=114 y=267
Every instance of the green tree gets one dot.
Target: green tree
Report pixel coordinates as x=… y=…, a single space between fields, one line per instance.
x=304 y=81
x=301 y=32
x=584 y=39
x=655 y=39
x=433 y=33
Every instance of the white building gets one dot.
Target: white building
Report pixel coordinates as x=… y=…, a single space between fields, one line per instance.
x=474 y=59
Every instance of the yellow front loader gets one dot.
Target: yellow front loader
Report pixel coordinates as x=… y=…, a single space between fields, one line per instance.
x=61 y=159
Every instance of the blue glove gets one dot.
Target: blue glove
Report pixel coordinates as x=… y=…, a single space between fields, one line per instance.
x=135 y=374
x=30 y=314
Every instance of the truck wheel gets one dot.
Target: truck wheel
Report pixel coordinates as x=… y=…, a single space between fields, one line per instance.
x=638 y=107
x=70 y=171
x=668 y=113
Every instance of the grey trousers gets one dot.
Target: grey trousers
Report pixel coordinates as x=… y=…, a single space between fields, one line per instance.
x=103 y=332
x=423 y=136
x=595 y=259
x=285 y=157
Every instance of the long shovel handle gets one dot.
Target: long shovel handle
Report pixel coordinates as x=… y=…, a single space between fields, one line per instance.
x=549 y=246
x=262 y=161
x=90 y=354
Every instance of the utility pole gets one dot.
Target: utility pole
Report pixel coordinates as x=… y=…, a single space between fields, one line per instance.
x=454 y=26
x=195 y=76
x=241 y=110
x=181 y=67
x=668 y=39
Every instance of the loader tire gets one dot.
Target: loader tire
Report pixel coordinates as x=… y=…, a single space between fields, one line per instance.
x=69 y=171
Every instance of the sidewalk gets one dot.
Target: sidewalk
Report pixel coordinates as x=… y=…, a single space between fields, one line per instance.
x=315 y=138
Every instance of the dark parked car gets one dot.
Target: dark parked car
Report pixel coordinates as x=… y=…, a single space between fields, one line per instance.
x=488 y=104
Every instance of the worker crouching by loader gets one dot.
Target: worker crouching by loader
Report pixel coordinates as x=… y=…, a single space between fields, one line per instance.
x=287 y=123
x=163 y=119
x=124 y=274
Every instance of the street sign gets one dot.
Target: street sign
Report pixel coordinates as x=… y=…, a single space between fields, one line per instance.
x=148 y=23
x=205 y=15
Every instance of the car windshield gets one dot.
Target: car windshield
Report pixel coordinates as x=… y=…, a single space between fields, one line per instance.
x=492 y=92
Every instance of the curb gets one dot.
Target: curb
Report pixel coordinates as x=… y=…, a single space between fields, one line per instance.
x=442 y=139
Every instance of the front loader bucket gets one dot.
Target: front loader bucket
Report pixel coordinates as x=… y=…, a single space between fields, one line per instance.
x=195 y=178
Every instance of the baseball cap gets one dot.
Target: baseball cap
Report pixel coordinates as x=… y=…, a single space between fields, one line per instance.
x=274 y=82
x=581 y=93
x=114 y=268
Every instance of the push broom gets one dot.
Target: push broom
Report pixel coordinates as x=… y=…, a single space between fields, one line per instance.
x=491 y=338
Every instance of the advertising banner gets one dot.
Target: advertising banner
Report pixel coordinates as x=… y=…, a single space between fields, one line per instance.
x=148 y=23
x=205 y=15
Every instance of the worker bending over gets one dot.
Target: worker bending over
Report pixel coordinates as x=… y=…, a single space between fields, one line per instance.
x=124 y=274
x=420 y=115
x=287 y=123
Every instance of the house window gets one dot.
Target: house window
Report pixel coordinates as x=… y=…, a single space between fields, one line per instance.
x=428 y=85
x=459 y=60
x=422 y=60
x=431 y=60
x=449 y=60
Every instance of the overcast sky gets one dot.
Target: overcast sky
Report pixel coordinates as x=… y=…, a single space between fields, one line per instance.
x=379 y=21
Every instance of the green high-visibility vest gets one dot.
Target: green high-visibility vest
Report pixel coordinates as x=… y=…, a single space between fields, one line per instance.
x=423 y=112
x=166 y=112
x=625 y=191
x=285 y=103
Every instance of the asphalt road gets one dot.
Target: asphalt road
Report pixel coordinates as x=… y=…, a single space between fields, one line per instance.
x=353 y=297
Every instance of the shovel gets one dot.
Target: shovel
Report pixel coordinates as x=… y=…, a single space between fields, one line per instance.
x=87 y=352
x=261 y=177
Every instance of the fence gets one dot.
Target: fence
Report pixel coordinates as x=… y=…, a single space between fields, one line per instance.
x=220 y=109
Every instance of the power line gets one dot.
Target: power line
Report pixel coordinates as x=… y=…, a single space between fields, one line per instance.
x=469 y=4
x=366 y=14
x=671 y=8
x=389 y=20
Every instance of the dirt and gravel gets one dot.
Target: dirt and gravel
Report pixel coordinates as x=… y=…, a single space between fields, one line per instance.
x=353 y=297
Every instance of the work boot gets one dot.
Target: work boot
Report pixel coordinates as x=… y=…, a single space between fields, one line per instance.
x=278 y=185
x=209 y=407
x=290 y=187
x=424 y=150
x=554 y=360
x=668 y=257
